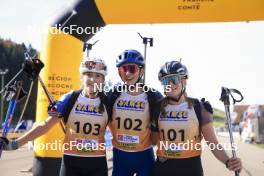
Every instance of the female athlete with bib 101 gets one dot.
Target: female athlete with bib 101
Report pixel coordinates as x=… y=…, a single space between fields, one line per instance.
x=132 y=110
x=180 y=127
x=84 y=113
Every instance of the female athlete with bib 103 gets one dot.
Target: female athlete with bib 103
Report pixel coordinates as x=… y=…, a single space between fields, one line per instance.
x=182 y=123
x=132 y=110
x=84 y=113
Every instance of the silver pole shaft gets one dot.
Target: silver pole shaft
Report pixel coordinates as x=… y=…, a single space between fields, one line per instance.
x=3 y=73
x=2 y=99
x=25 y=105
x=12 y=80
x=230 y=130
x=145 y=58
x=72 y=14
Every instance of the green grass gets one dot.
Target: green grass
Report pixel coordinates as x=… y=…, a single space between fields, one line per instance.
x=219 y=118
x=260 y=145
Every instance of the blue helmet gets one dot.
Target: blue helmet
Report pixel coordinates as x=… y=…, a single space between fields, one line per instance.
x=130 y=56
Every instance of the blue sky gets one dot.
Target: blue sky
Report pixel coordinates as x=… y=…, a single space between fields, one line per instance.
x=216 y=54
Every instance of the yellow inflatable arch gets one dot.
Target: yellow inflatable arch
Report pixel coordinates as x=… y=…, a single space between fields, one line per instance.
x=62 y=50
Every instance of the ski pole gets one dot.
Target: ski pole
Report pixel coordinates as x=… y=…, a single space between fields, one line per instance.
x=73 y=12
x=88 y=47
x=32 y=67
x=51 y=100
x=25 y=105
x=17 y=74
x=145 y=42
x=10 y=112
x=225 y=99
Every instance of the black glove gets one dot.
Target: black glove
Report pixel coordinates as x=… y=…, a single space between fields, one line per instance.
x=8 y=145
x=52 y=110
x=207 y=106
x=32 y=67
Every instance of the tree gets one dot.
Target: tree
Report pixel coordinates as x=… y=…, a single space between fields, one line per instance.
x=12 y=57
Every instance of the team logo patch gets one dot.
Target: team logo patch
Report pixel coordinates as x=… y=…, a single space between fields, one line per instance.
x=172 y=153
x=175 y=116
x=125 y=138
x=131 y=105
x=86 y=142
x=87 y=109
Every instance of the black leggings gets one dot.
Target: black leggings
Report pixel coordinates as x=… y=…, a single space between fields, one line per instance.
x=178 y=167
x=83 y=166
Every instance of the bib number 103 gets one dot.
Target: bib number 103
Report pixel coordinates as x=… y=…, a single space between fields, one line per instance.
x=88 y=128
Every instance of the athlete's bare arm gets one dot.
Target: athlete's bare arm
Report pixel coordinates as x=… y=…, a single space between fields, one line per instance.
x=233 y=164
x=210 y=138
x=154 y=137
x=38 y=130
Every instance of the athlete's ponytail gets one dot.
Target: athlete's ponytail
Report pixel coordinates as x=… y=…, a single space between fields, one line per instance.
x=190 y=105
x=163 y=104
x=101 y=106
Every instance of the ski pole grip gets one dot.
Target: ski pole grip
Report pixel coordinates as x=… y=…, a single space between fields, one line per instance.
x=225 y=96
x=236 y=173
x=237 y=92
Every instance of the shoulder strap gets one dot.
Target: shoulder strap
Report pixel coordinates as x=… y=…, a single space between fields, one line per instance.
x=70 y=104
x=198 y=109
x=111 y=99
x=155 y=111
x=153 y=95
x=104 y=100
x=154 y=99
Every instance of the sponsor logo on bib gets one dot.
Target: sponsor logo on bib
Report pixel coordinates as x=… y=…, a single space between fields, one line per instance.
x=127 y=138
x=131 y=105
x=175 y=116
x=87 y=109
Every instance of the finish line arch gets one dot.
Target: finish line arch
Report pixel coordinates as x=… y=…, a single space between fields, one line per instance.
x=62 y=52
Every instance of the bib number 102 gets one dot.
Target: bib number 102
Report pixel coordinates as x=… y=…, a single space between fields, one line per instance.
x=129 y=124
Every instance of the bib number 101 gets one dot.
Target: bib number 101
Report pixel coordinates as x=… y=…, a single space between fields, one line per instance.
x=172 y=134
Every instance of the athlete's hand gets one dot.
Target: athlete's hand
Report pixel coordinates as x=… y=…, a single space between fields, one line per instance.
x=234 y=164
x=8 y=145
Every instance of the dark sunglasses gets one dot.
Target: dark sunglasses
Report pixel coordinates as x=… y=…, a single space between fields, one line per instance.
x=129 y=68
x=175 y=79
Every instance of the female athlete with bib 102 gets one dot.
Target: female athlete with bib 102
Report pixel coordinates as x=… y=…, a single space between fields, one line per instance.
x=132 y=110
x=182 y=123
